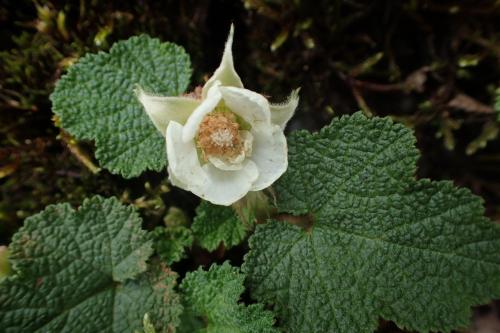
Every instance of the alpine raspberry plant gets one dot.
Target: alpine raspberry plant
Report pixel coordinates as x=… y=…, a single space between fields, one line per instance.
x=226 y=142
x=336 y=231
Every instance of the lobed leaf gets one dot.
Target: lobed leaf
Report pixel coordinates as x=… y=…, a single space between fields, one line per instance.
x=215 y=224
x=375 y=241
x=95 y=101
x=214 y=294
x=74 y=272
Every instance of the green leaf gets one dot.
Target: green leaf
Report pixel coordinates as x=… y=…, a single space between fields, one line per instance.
x=375 y=242
x=170 y=242
x=190 y=323
x=74 y=269
x=214 y=295
x=95 y=101
x=214 y=224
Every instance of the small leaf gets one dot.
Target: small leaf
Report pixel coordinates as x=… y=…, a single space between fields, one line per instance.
x=95 y=101
x=176 y=217
x=214 y=295
x=380 y=243
x=74 y=270
x=170 y=242
x=214 y=224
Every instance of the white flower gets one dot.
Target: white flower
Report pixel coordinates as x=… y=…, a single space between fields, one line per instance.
x=226 y=143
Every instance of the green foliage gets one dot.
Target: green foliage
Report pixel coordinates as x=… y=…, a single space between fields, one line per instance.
x=170 y=242
x=214 y=224
x=95 y=101
x=35 y=51
x=190 y=323
x=214 y=295
x=375 y=242
x=74 y=272
x=176 y=217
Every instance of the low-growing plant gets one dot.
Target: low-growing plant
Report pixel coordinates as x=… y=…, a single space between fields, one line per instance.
x=338 y=232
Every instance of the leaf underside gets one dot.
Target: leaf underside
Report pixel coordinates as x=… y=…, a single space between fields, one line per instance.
x=95 y=101
x=378 y=244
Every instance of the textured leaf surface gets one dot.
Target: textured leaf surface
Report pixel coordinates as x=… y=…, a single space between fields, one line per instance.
x=214 y=224
x=190 y=323
x=214 y=295
x=379 y=242
x=171 y=242
x=74 y=270
x=95 y=101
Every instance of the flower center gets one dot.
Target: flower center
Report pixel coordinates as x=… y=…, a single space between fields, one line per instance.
x=219 y=135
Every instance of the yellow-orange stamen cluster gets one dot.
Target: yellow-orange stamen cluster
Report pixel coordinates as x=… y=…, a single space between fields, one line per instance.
x=218 y=135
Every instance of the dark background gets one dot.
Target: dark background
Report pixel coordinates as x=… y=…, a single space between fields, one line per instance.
x=432 y=65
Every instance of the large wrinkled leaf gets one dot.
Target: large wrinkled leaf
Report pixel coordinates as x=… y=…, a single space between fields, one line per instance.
x=74 y=272
x=373 y=241
x=95 y=100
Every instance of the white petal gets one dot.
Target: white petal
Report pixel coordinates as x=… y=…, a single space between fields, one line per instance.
x=161 y=110
x=225 y=73
x=227 y=187
x=283 y=112
x=184 y=166
x=252 y=107
x=208 y=105
x=236 y=164
x=270 y=154
x=217 y=186
x=247 y=142
x=173 y=180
